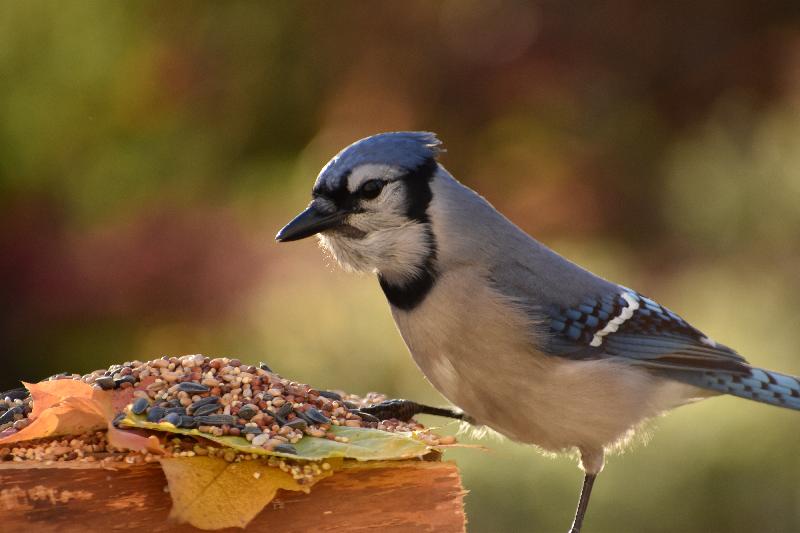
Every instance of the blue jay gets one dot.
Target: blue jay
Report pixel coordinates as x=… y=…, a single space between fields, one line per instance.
x=495 y=319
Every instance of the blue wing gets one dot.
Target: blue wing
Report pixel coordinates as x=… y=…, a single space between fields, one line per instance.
x=632 y=327
x=636 y=329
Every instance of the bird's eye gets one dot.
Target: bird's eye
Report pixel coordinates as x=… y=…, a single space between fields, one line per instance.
x=371 y=189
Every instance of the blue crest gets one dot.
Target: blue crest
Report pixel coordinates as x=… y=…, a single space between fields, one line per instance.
x=404 y=149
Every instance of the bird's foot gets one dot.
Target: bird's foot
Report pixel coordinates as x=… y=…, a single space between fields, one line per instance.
x=406 y=409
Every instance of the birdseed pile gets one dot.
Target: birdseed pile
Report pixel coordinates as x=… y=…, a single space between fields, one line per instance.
x=223 y=397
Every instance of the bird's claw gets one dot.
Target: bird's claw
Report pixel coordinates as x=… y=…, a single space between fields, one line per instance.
x=406 y=409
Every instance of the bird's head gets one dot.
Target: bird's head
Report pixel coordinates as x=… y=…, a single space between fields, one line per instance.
x=370 y=206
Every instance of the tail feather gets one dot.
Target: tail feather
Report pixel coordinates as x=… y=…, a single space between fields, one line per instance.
x=760 y=385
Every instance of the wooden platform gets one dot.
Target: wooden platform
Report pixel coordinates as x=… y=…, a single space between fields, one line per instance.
x=400 y=496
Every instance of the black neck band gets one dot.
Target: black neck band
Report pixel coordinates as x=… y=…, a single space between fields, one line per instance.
x=409 y=294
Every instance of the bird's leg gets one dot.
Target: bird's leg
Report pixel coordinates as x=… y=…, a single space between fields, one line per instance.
x=583 y=502
x=406 y=409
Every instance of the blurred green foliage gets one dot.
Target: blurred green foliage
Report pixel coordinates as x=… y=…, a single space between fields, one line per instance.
x=149 y=151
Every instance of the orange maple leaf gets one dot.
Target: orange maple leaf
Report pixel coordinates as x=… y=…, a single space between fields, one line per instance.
x=70 y=407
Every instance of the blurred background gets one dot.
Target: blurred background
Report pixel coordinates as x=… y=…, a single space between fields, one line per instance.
x=150 y=151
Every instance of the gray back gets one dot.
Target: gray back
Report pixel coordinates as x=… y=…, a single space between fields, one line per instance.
x=475 y=233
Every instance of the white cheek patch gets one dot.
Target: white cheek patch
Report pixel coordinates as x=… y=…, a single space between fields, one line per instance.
x=392 y=199
x=397 y=249
x=614 y=324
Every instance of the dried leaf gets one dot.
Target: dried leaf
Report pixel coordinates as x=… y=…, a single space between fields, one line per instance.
x=70 y=407
x=364 y=444
x=211 y=493
x=48 y=393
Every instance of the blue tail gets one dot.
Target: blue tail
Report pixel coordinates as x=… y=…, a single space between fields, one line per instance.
x=760 y=385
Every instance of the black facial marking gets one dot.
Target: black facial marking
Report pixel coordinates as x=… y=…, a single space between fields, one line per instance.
x=338 y=195
x=410 y=294
x=418 y=188
x=417 y=182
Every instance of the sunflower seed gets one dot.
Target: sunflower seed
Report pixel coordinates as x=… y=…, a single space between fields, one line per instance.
x=124 y=379
x=317 y=417
x=302 y=416
x=285 y=448
x=187 y=421
x=192 y=387
x=105 y=382
x=215 y=420
x=140 y=406
x=207 y=409
x=297 y=423
x=154 y=414
x=330 y=395
x=205 y=401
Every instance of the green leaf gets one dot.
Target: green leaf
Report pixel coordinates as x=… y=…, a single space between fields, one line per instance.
x=364 y=444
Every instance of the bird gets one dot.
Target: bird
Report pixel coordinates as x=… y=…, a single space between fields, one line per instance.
x=517 y=337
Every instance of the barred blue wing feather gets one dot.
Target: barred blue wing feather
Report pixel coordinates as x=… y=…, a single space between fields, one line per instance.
x=636 y=329
x=628 y=325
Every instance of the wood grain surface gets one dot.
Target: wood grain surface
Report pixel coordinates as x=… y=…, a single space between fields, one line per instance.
x=400 y=496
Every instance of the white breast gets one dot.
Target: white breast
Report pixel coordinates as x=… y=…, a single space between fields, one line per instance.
x=478 y=350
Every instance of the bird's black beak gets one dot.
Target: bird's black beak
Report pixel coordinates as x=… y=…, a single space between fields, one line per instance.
x=308 y=223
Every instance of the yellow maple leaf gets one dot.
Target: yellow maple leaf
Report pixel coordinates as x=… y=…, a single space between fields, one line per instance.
x=211 y=493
